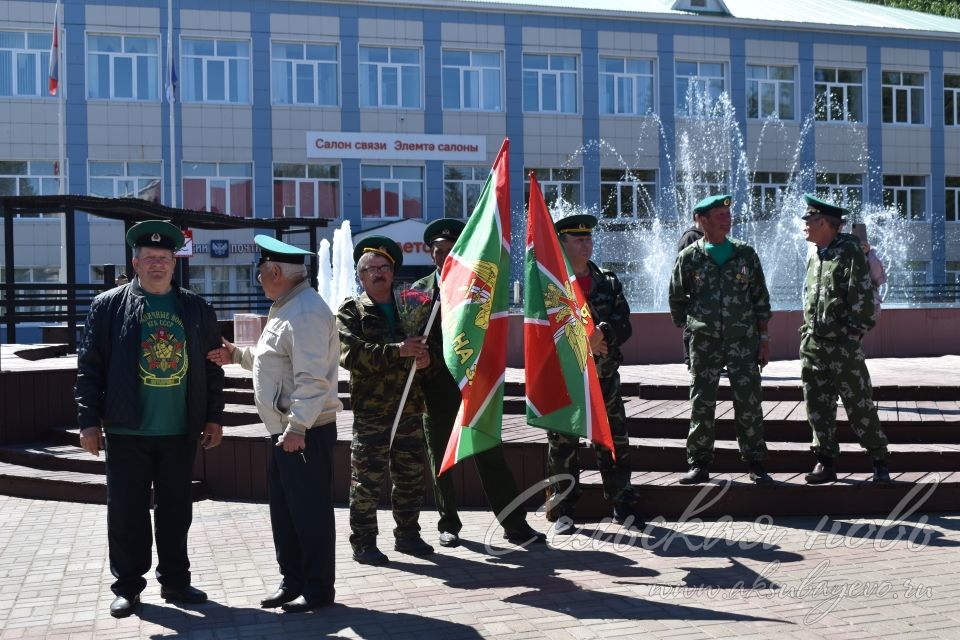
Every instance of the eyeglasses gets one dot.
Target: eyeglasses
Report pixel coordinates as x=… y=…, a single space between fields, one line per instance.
x=384 y=268
x=156 y=259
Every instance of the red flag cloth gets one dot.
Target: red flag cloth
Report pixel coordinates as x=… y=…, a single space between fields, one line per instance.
x=563 y=391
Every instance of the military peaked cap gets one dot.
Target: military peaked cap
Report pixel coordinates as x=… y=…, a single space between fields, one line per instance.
x=443 y=229
x=273 y=250
x=159 y=234
x=817 y=206
x=381 y=245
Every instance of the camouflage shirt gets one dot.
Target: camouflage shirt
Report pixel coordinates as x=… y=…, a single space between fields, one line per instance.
x=428 y=284
x=722 y=301
x=370 y=351
x=609 y=307
x=838 y=292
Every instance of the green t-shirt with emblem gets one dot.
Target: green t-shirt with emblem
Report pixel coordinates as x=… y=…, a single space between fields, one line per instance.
x=162 y=368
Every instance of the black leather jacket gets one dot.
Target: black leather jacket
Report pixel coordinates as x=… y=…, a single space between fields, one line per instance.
x=107 y=391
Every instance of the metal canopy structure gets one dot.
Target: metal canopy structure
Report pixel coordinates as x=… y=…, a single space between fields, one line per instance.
x=130 y=211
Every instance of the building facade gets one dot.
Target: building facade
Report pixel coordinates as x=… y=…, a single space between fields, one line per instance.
x=385 y=111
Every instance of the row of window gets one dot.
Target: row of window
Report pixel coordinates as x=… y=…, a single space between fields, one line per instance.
x=127 y=67
x=397 y=191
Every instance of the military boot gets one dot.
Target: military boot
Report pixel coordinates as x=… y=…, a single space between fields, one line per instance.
x=759 y=475
x=698 y=474
x=881 y=473
x=822 y=473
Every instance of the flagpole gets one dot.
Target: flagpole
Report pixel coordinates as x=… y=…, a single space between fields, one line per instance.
x=413 y=371
x=170 y=101
x=61 y=124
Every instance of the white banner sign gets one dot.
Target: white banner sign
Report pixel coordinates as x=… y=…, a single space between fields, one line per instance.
x=395 y=146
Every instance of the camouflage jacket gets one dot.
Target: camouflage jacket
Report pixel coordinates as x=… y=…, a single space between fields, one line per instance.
x=612 y=314
x=428 y=284
x=722 y=301
x=838 y=292
x=370 y=351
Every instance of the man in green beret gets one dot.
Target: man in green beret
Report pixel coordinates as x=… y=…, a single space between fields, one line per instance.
x=442 y=396
x=295 y=364
x=378 y=354
x=143 y=378
x=837 y=312
x=611 y=316
x=717 y=289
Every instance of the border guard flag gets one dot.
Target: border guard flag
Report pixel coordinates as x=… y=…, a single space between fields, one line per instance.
x=53 y=68
x=474 y=297
x=563 y=391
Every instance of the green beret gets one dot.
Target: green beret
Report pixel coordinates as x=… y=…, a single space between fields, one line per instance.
x=159 y=234
x=579 y=225
x=712 y=202
x=817 y=206
x=381 y=245
x=443 y=229
x=273 y=250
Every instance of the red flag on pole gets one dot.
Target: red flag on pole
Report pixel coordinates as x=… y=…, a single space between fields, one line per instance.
x=563 y=391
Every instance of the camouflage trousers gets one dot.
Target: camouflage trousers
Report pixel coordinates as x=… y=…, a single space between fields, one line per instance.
x=829 y=368
x=708 y=356
x=562 y=455
x=370 y=454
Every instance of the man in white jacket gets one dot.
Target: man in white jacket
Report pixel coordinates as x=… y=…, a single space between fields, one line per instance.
x=295 y=387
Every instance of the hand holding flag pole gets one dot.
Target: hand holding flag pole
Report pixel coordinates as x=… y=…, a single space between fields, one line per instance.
x=413 y=369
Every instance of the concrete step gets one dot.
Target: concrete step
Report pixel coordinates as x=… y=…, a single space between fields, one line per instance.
x=69 y=486
x=733 y=494
x=53 y=457
x=669 y=454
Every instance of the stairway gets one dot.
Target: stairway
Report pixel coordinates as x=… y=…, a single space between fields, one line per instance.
x=921 y=422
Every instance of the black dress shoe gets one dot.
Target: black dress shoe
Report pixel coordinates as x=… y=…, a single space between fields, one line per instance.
x=448 y=539
x=371 y=556
x=821 y=474
x=759 y=475
x=523 y=535
x=627 y=514
x=184 y=595
x=881 y=473
x=282 y=596
x=696 y=475
x=301 y=604
x=414 y=546
x=121 y=607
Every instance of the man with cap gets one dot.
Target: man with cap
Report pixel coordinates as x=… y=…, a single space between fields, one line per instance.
x=378 y=355
x=442 y=395
x=611 y=316
x=294 y=368
x=837 y=313
x=143 y=378
x=717 y=289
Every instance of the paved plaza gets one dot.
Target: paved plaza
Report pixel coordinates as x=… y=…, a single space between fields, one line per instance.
x=793 y=578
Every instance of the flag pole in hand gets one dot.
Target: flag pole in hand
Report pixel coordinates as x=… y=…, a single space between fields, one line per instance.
x=413 y=369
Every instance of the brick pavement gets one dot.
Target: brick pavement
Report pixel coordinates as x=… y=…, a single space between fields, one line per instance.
x=713 y=580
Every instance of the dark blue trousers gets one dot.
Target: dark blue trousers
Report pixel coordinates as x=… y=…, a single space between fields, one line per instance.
x=134 y=464
x=301 y=513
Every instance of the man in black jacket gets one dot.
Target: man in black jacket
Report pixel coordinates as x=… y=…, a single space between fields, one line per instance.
x=143 y=377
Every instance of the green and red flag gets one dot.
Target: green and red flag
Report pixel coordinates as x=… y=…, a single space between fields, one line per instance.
x=563 y=391
x=474 y=290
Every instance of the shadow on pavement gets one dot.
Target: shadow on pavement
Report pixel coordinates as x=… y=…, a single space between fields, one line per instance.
x=215 y=620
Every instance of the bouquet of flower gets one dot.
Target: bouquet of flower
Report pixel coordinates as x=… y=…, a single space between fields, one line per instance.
x=414 y=308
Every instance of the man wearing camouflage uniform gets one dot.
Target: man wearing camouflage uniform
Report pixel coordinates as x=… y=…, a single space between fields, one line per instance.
x=374 y=349
x=718 y=291
x=442 y=395
x=611 y=316
x=837 y=313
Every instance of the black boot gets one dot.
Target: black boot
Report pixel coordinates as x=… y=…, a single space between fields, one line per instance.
x=698 y=474
x=759 y=475
x=822 y=473
x=881 y=473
